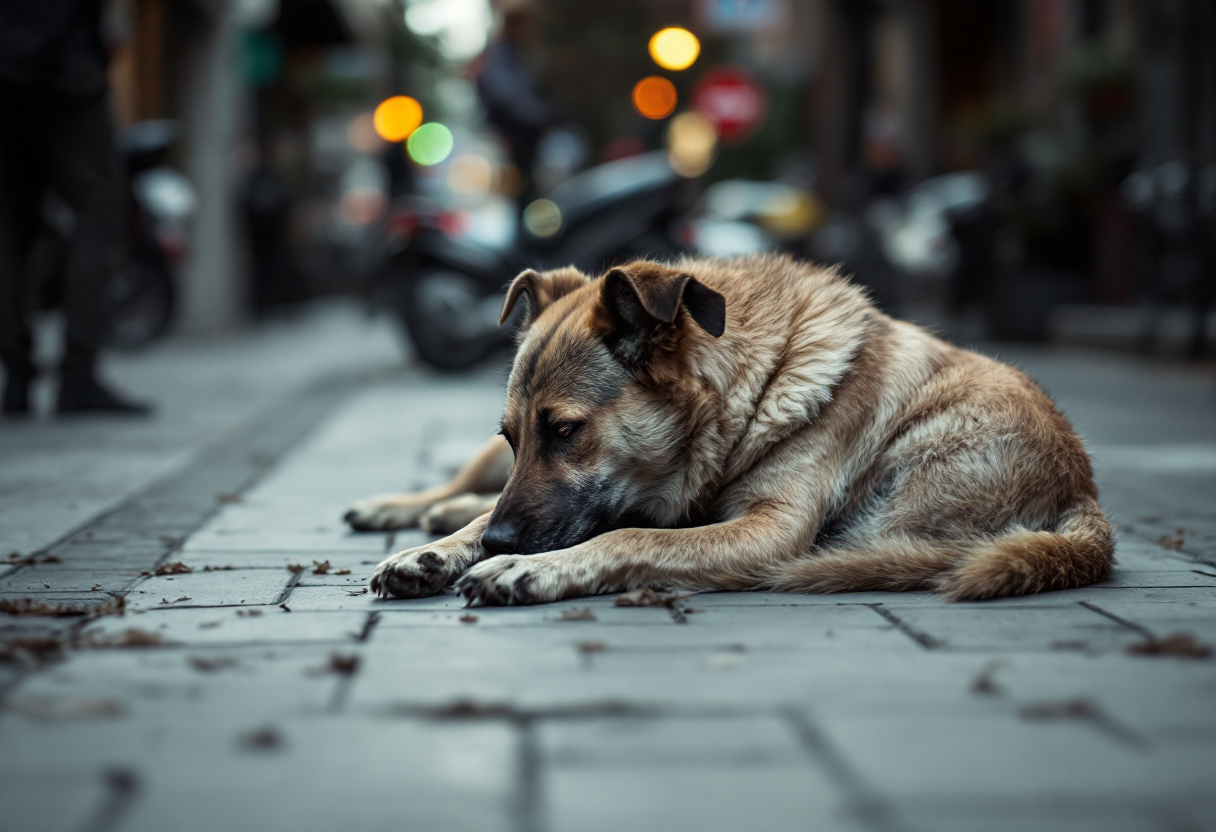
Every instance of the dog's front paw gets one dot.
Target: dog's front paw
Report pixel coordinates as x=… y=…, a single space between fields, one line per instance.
x=384 y=513
x=513 y=579
x=414 y=573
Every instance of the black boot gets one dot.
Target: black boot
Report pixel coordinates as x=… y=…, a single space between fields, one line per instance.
x=16 y=400
x=86 y=395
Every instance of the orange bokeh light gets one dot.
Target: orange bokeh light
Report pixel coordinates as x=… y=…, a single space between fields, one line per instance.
x=397 y=117
x=655 y=97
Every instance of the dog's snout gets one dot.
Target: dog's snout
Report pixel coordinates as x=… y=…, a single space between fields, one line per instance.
x=502 y=537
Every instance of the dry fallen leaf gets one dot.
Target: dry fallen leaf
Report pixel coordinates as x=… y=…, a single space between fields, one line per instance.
x=177 y=568
x=591 y=646
x=578 y=614
x=468 y=618
x=341 y=571
x=284 y=608
x=320 y=568
x=296 y=567
x=342 y=665
x=1173 y=542
x=1178 y=644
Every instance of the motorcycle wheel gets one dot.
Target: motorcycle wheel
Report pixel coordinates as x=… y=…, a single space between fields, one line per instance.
x=142 y=298
x=450 y=318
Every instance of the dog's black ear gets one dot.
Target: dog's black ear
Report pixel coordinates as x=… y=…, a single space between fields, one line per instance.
x=541 y=289
x=641 y=300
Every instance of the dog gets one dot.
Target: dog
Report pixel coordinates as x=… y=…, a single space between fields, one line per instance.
x=750 y=424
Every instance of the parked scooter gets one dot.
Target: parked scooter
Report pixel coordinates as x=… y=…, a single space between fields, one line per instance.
x=160 y=205
x=446 y=289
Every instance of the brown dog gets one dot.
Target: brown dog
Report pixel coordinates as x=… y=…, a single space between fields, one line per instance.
x=751 y=424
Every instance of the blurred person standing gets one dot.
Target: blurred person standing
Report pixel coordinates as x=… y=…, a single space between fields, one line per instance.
x=508 y=92
x=56 y=132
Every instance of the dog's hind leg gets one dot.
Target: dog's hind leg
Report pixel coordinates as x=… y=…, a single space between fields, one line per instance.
x=457 y=512
x=486 y=473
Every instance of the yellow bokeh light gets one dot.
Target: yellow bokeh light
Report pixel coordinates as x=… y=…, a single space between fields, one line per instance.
x=691 y=142
x=397 y=117
x=674 y=48
x=655 y=97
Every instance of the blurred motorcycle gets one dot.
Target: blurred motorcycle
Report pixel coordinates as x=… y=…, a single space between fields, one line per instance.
x=160 y=205
x=445 y=287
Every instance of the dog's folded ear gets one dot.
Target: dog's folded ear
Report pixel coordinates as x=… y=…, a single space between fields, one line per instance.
x=541 y=290
x=643 y=299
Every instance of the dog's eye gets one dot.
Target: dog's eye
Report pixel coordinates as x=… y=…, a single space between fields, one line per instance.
x=565 y=429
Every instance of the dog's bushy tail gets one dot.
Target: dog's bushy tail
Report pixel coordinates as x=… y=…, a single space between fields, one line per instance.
x=1019 y=562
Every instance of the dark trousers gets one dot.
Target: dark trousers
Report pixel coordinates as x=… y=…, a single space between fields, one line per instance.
x=63 y=141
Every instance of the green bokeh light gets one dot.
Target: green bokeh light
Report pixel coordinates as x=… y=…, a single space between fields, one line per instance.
x=430 y=144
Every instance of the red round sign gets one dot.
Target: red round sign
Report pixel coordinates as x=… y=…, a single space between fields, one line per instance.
x=732 y=100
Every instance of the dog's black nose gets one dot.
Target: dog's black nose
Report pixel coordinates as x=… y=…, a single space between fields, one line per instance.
x=502 y=537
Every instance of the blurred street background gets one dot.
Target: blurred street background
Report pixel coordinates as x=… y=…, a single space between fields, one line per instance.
x=1033 y=170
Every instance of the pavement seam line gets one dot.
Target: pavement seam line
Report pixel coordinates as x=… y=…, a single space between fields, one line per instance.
x=1131 y=625
x=923 y=639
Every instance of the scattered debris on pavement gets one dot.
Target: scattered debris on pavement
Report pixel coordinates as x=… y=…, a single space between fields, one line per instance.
x=218 y=568
x=1178 y=644
x=47 y=708
x=467 y=618
x=296 y=567
x=262 y=739
x=320 y=567
x=342 y=665
x=176 y=600
x=284 y=608
x=210 y=664
x=1173 y=542
x=131 y=637
x=248 y=613
x=647 y=597
x=35 y=650
x=1079 y=708
x=984 y=684
x=578 y=614
x=176 y=568
x=591 y=646
x=228 y=497
x=341 y=571
x=33 y=606
x=362 y=591
x=17 y=559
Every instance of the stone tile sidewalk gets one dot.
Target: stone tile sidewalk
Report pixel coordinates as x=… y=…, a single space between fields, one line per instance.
x=251 y=693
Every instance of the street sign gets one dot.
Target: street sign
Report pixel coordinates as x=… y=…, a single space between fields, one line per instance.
x=732 y=100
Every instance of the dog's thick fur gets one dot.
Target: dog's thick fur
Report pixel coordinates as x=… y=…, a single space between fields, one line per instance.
x=751 y=424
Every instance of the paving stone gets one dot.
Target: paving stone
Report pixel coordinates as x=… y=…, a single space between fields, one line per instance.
x=1037 y=626
x=237 y=625
x=210 y=589
x=1004 y=755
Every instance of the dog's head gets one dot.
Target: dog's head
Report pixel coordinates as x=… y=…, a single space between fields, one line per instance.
x=593 y=411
